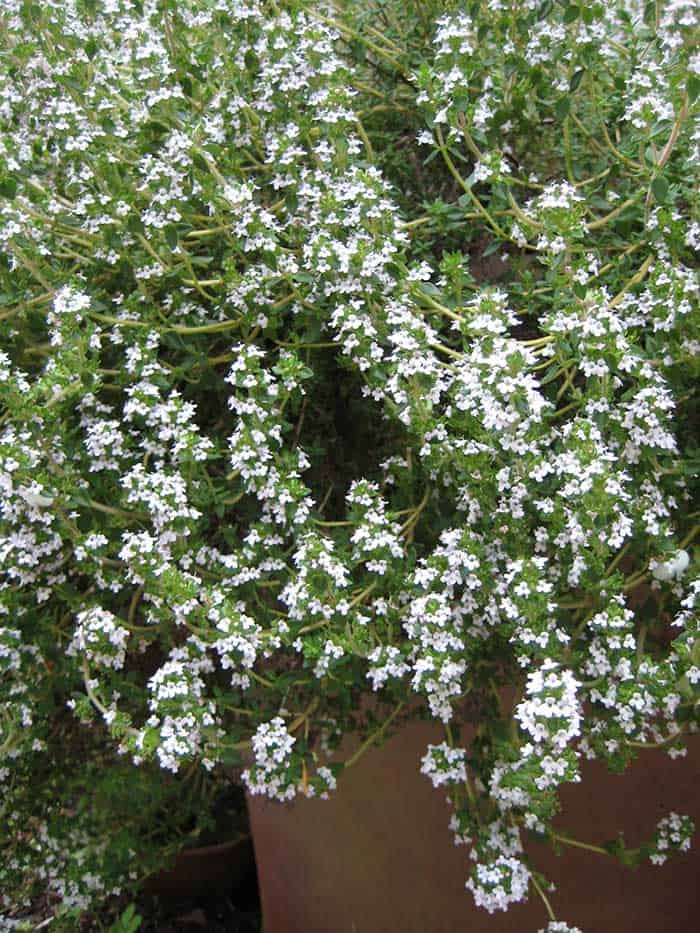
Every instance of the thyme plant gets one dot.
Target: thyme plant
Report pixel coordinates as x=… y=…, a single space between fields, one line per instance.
x=349 y=374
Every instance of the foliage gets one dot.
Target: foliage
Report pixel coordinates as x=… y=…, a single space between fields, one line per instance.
x=128 y=922
x=350 y=372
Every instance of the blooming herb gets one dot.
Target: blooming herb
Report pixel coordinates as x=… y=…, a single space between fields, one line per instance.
x=344 y=361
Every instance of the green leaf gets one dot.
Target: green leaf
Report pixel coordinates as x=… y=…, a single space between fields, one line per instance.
x=493 y=246
x=200 y=162
x=134 y=224
x=157 y=127
x=693 y=88
x=171 y=237
x=8 y=187
x=291 y=202
x=571 y=14
x=659 y=188
x=562 y=107
x=576 y=79
x=358 y=49
x=186 y=85
x=128 y=922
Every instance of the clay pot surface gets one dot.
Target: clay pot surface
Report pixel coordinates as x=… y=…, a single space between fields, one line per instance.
x=204 y=871
x=378 y=856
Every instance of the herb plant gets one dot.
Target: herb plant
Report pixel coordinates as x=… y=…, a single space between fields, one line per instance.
x=349 y=373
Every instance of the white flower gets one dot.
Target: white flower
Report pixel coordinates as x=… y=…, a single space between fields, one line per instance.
x=672 y=569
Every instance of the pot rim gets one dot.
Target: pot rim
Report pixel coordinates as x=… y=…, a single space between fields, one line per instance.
x=217 y=848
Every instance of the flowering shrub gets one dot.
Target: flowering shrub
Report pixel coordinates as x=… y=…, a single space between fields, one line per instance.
x=348 y=351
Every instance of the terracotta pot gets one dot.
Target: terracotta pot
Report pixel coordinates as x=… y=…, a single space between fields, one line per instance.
x=205 y=871
x=378 y=856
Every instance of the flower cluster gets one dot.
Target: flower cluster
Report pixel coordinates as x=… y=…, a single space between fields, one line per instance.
x=673 y=832
x=272 y=751
x=558 y=926
x=443 y=764
x=500 y=877
x=100 y=638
